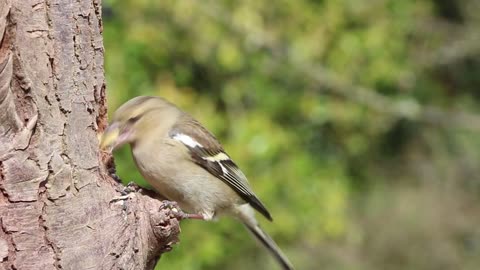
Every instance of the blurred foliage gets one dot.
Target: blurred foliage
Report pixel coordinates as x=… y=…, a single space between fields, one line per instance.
x=356 y=122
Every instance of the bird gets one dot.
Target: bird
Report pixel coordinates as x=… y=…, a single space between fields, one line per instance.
x=186 y=164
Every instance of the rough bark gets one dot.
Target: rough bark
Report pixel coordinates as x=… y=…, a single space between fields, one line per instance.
x=55 y=200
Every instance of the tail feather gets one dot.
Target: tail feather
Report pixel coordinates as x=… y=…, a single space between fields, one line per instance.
x=268 y=242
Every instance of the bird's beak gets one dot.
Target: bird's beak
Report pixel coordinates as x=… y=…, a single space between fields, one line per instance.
x=113 y=137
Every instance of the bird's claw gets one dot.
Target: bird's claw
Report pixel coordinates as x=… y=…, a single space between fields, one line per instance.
x=113 y=173
x=166 y=204
x=177 y=212
x=130 y=188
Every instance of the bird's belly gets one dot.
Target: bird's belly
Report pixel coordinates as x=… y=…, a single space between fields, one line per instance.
x=195 y=189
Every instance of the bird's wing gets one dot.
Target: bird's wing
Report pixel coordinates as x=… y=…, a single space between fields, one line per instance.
x=207 y=152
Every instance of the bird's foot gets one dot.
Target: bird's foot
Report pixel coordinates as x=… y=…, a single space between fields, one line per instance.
x=177 y=212
x=166 y=204
x=131 y=187
x=180 y=215
x=113 y=173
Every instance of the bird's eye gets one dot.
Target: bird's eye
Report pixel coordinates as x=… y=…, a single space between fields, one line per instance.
x=133 y=120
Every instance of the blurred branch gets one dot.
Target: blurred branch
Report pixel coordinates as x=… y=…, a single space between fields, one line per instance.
x=332 y=83
x=404 y=108
x=463 y=45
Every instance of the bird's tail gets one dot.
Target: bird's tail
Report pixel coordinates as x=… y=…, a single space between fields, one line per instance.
x=268 y=242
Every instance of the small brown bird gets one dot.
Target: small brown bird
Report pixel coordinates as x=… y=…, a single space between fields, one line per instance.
x=185 y=163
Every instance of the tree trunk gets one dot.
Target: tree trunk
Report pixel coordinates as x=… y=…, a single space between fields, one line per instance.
x=56 y=209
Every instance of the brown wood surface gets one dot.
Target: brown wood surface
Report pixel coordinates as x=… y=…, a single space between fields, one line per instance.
x=55 y=200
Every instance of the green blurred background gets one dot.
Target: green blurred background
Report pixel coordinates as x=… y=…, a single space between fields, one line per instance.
x=357 y=122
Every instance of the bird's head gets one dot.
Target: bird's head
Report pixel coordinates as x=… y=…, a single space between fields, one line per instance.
x=133 y=120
